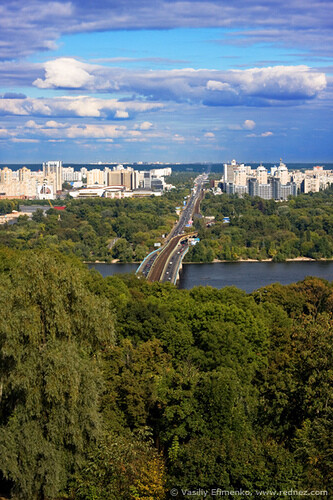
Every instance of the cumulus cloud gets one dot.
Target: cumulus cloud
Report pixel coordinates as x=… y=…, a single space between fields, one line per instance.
x=253 y=86
x=79 y=106
x=54 y=124
x=209 y=135
x=32 y=124
x=52 y=131
x=121 y=114
x=220 y=86
x=249 y=124
x=66 y=72
x=281 y=82
x=145 y=125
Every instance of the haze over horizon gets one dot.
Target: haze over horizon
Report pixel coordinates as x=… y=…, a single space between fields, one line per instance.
x=173 y=81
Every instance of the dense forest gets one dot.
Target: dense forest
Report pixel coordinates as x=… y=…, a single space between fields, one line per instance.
x=117 y=389
x=265 y=229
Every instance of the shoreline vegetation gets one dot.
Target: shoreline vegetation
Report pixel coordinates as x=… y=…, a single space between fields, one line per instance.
x=215 y=261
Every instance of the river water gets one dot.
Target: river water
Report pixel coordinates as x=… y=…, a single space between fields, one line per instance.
x=245 y=275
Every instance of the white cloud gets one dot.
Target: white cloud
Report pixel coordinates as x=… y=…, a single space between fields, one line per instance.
x=280 y=82
x=101 y=132
x=121 y=114
x=263 y=134
x=212 y=87
x=23 y=139
x=66 y=72
x=217 y=85
x=32 y=124
x=4 y=132
x=134 y=133
x=78 y=106
x=145 y=125
x=54 y=124
x=249 y=124
x=93 y=131
x=209 y=135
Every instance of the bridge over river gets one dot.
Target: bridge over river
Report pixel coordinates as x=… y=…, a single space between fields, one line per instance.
x=164 y=264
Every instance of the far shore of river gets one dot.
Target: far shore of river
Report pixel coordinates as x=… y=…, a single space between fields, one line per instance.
x=215 y=261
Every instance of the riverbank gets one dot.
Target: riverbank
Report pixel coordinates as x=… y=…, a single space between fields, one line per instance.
x=215 y=261
x=296 y=259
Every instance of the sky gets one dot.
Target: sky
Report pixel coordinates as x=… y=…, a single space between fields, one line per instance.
x=171 y=81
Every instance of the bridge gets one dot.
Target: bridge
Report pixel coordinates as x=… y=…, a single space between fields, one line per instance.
x=165 y=263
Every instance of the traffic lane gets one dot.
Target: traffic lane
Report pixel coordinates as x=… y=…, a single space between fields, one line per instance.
x=157 y=270
x=174 y=263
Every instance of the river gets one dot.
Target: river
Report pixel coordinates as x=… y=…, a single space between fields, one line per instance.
x=245 y=275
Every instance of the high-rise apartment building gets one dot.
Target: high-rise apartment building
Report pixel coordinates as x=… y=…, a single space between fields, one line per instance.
x=282 y=173
x=261 y=175
x=54 y=169
x=228 y=171
x=240 y=177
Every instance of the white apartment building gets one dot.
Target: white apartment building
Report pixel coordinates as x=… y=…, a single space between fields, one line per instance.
x=71 y=175
x=95 y=176
x=161 y=172
x=311 y=184
x=240 y=177
x=261 y=175
x=282 y=174
x=54 y=168
x=22 y=183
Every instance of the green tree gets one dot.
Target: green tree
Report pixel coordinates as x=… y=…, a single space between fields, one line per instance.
x=52 y=328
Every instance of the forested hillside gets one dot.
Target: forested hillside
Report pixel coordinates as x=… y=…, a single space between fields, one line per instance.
x=120 y=389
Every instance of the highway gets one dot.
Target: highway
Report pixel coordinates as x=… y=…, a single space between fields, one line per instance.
x=163 y=264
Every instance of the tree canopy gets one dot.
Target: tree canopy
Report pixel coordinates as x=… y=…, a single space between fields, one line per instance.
x=118 y=388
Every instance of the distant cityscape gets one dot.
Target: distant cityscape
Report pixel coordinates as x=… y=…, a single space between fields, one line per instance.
x=47 y=184
x=278 y=183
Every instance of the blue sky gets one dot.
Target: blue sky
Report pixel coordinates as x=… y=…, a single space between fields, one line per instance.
x=166 y=81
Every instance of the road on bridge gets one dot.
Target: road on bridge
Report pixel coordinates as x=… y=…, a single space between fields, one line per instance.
x=157 y=266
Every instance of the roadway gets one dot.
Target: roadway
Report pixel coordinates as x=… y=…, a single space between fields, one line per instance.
x=163 y=264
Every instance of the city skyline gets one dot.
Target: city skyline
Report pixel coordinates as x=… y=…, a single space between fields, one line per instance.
x=166 y=81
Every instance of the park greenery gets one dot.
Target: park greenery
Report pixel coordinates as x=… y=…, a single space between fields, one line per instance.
x=265 y=229
x=126 y=230
x=96 y=229
x=120 y=389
